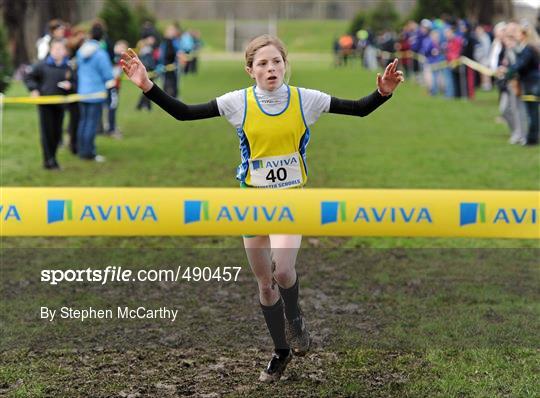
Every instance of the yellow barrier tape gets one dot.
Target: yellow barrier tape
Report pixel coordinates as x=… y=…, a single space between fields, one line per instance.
x=530 y=98
x=323 y=212
x=53 y=99
x=476 y=66
x=452 y=64
x=157 y=73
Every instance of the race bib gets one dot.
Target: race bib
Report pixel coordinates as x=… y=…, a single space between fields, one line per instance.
x=276 y=171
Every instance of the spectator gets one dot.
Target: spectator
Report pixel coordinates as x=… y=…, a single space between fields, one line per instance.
x=453 y=52
x=52 y=76
x=526 y=67
x=169 y=52
x=146 y=55
x=187 y=45
x=417 y=42
x=197 y=45
x=514 y=114
x=404 y=47
x=495 y=59
x=94 y=70
x=148 y=29
x=74 y=42
x=481 y=54
x=106 y=44
x=387 y=45
x=57 y=30
x=114 y=91
x=467 y=50
x=370 y=51
x=435 y=60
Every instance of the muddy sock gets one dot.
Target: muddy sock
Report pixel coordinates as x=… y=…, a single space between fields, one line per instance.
x=273 y=315
x=290 y=298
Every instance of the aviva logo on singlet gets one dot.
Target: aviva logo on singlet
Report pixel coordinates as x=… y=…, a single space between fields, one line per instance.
x=63 y=210
x=199 y=210
x=332 y=212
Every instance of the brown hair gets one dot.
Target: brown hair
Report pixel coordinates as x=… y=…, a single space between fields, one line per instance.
x=61 y=41
x=263 y=41
x=55 y=24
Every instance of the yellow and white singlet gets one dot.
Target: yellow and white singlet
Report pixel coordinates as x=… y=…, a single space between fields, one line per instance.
x=273 y=146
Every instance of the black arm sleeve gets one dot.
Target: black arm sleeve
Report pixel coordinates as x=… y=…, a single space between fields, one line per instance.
x=362 y=107
x=178 y=109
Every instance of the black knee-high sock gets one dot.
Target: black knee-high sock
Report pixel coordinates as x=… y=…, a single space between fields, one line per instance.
x=273 y=315
x=290 y=298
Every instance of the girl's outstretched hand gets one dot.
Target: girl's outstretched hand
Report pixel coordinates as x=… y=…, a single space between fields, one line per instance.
x=388 y=82
x=135 y=70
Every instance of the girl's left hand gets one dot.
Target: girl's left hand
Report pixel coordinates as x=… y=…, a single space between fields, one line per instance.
x=387 y=83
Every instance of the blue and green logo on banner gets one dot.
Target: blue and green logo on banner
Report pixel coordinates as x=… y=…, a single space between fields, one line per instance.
x=59 y=210
x=472 y=213
x=195 y=210
x=331 y=211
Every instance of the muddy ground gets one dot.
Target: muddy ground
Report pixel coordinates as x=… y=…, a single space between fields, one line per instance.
x=372 y=315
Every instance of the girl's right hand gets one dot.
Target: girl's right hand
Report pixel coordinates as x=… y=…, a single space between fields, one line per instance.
x=135 y=70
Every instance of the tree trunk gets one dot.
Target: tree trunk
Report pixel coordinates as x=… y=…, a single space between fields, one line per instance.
x=27 y=20
x=489 y=12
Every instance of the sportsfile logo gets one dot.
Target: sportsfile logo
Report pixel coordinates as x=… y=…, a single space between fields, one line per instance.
x=59 y=210
x=472 y=213
x=475 y=213
x=63 y=210
x=195 y=210
x=331 y=210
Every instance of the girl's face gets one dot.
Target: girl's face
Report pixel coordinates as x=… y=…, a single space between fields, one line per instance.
x=268 y=68
x=58 y=51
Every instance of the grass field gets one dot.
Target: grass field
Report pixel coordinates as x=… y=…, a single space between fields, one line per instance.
x=300 y=35
x=390 y=317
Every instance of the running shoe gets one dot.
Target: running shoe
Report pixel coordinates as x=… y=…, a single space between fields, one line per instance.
x=298 y=335
x=276 y=367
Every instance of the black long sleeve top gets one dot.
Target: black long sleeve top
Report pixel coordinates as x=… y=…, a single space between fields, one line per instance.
x=181 y=111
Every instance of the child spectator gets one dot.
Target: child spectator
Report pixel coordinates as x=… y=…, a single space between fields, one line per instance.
x=57 y=30
x=168 y=60
x=114 y=91
x=146 y=55
x=74 y=42
x=52 y=76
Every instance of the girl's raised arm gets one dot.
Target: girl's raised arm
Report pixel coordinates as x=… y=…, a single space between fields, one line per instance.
x=136 y=72
x=386 y=84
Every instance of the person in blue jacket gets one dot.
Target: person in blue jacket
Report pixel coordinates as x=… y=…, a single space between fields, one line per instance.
x=94 y=70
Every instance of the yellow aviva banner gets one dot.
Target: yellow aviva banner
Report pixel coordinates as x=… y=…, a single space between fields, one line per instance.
x=216 y=211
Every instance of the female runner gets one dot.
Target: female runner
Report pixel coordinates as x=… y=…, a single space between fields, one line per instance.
x=272 y=120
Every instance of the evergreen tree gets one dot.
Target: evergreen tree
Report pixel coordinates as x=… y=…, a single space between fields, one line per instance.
x=384 y=17
x=142 y=15
x=121 y=23
x=5 y=61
